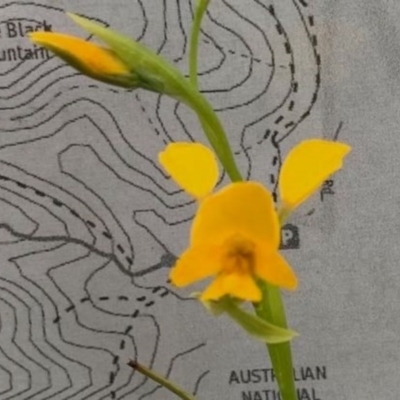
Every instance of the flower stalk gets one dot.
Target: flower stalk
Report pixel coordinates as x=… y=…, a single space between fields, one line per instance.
x=214 y=131
x=199 y=104
x=272 y=309
x=201 y=8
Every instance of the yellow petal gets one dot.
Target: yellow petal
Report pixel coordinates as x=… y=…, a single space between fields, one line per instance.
x=306 y=167
x=195 y=264
x=274 y=269
x=214 y=291
x=241 y=286
x=245 y=208
x=192 y=166
x=87 y=57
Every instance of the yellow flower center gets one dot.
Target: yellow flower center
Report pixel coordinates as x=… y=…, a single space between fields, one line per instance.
x=238 y=255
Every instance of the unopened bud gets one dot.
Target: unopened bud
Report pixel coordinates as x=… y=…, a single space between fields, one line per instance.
x=88 y=58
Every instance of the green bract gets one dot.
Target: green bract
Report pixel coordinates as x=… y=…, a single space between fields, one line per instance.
x=253 y=325
x=154 y=73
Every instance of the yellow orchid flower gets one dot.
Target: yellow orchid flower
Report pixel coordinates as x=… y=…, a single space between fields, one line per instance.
x=92 y=60
x=235 y=236
x=236 y=232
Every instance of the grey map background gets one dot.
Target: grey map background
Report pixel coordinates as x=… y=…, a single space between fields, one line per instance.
x=90 y=224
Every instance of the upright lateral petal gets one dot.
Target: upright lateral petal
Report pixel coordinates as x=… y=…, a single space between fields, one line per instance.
x=192 y=166
x=306 y=167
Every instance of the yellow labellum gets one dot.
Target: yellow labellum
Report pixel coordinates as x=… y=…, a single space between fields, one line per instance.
x=192 y=166
x=306 y=167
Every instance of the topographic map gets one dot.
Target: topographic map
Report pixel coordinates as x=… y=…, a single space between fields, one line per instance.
x=90 y=224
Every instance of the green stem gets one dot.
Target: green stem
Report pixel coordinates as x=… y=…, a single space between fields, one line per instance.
x=200 y=10
x=213 y=129
x=161 y=380
x=271 y=309
x=206 y=114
